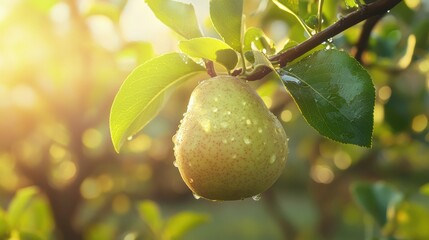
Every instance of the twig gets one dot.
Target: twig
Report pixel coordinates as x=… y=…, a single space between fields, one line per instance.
x=362 y=43
x=210 y=68
x=379 y=7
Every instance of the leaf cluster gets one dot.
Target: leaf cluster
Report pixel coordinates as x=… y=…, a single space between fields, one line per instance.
x=333 y=92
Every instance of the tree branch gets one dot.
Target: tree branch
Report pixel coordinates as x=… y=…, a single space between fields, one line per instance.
x=379 y=7
x=362 y=43
x=210 y=68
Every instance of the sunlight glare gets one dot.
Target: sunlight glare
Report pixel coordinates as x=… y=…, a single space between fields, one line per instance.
x=420 y=122
x=24 y=96
x=92 y=138
x=89 y=189
x=104 y=32
x=322 y=174
x=286 y=116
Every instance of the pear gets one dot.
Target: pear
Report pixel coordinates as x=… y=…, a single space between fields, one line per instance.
x=229 y=146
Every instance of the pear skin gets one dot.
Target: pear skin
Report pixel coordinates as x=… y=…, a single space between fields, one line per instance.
x=229 y=146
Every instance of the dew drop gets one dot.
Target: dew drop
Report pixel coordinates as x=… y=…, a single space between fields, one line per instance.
x=130 y=138
x=216 y=99
x=184 y=58
x=214 y=109
x=175 y=164
x=330 y=40
x=257 y=197
x=248 y=122
x=273 y=159
x=196 y=196
x=260 y=130
x=191 y=180
x=224 y=141
x=247 y=141
x=244 y=103
x=291 y=79
x=228 y=113
x=232 y=139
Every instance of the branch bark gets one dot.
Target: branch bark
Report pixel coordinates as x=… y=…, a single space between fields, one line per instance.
x=379 y=7
x=362 y=43
x=373 y=10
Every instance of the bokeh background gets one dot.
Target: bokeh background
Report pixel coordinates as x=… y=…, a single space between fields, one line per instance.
x=61 y=64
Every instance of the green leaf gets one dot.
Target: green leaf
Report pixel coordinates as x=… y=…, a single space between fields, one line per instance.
x=29 y=212
x=149 y=211
x=261 y=66
x=425 y=189
x=142 y=93
x=351 y=3
x=376 y=199
x=19 y=205
x=227 y=18
x=335 y=94
x=179 y=16
x=293 y=7
x=180 y=224
x=4 y=226
x=212 y=49
x=28 y=236
x=255 y=39
x=412 y=221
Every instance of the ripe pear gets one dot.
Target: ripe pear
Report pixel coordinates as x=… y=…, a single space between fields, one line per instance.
x=229 y=146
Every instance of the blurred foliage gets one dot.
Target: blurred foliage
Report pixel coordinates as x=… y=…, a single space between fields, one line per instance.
x=61 y=62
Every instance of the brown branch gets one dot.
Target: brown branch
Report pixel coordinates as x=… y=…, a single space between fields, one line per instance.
x=210 y=68
x=378 y=8
x=362 y=43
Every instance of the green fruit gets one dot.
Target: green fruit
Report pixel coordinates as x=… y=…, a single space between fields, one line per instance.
x=229 y=146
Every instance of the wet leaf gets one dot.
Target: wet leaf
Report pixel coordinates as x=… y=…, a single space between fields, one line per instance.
x=335 y=95
x=141 y=95
x=212 y=49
